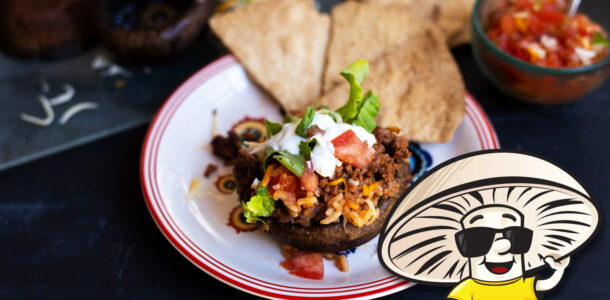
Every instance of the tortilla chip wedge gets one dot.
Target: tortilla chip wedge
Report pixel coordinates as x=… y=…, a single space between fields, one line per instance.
x=281 y=44
x=365 y=31
x=419 y=88
x=451 y=16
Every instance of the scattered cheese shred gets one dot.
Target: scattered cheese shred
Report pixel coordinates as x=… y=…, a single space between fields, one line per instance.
x=353 y=205
x=115 y=70
x=337 y=181
x=366 y=190
x=214 y=123
x=307 y=201
x=66 y=96
x=44 y=86
x=46 y=105
x=76 y=108
x=100 y=62
x=267 y=175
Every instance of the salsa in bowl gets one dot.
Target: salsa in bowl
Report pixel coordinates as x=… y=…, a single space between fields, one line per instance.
x=533 y=51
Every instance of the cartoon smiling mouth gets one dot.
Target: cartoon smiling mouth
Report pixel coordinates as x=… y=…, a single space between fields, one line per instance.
x=499 y=268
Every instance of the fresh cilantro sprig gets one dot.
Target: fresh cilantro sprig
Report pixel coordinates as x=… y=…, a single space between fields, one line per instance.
x=305 y=148
x=272 y=128
x=301 y=129
x=599 y=39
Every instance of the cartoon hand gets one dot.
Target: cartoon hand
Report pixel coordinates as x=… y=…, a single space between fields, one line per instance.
x=558 y=268
x=557 y=265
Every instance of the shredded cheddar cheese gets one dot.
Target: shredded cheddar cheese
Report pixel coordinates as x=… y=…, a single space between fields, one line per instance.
x=307 y=201
x=267 y=176
x=366 y=215
x=337 y=181
x=353 y=205
x=366 y=190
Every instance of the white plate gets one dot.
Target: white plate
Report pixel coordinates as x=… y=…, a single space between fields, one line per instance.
x=176 y=151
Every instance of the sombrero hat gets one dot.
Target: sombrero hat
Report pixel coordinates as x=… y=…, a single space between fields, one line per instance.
x=418 y=240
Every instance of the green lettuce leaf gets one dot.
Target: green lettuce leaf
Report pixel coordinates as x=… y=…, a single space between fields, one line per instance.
x=354 y=74
x=367 y=111
x=260 y=205
x=599 y=39
x=272 y=128
x=268 y=152
x=359 y=69
x=301 y=129
x=290 y=119
x=294 y=163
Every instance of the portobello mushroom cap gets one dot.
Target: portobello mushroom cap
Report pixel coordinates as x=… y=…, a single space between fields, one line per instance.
x=333 y=237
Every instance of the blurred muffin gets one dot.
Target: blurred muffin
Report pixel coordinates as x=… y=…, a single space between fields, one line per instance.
x=45 y=28
x=152 y=30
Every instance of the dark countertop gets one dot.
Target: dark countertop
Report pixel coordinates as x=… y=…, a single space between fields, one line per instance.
x=74 y=225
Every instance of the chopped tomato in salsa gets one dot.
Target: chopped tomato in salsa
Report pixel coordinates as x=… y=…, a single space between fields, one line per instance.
x=351 y=150
x=308 y=265
x=540 y=32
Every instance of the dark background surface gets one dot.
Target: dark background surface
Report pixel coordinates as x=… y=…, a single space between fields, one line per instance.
x=74 y=225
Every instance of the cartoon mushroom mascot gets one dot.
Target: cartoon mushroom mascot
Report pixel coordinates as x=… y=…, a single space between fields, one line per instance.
x=487 y=221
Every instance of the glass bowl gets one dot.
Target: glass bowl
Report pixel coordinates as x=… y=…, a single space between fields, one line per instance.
x=529 y=82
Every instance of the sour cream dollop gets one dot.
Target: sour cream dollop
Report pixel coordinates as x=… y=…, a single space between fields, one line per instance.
x=323 y=155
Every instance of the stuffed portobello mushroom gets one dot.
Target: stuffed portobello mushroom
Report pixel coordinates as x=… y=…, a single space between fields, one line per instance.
x=324 y=182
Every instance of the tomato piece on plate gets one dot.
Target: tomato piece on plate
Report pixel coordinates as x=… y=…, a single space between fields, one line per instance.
x=351 y=150
x=308 y=265
x=309 y=179
x=284 y=186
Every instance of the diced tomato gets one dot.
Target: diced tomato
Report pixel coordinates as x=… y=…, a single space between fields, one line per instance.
x=309 y=179
x=309 y=265
x=522 y=4
x=550 y=17
x=507 y=24
x=514 y=49
x=284 y=186
x=537 y=27
x=351 y=150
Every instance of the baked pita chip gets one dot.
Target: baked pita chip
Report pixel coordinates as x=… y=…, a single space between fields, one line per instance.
x=451 y=16
x=365 y=31
x=281 y=44
x=419 y=87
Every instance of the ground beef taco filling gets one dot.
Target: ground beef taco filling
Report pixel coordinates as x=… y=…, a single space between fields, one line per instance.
x=350 y=195
x=323 y=168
